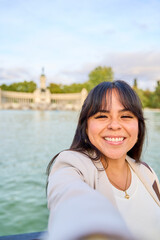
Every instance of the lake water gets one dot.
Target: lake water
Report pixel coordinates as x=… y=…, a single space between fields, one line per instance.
x=28 y=141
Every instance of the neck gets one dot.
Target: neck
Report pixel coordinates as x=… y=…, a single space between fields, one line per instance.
x=116 y=165
x=118 y=173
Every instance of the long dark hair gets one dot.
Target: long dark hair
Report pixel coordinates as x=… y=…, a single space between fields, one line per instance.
x=95 y=101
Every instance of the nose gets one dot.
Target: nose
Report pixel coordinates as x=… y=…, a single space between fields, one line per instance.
x=114 y=125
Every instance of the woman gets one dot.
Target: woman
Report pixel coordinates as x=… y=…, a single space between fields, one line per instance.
x=100 y=186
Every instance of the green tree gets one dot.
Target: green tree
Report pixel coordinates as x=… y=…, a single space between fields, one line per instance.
x=156 y=96
x=20 y=87
x=55 y=88
x=74 y=88
x=144 y=95
x=135 y=84
x=149 y=98
x=4 y=87
x=98 y=75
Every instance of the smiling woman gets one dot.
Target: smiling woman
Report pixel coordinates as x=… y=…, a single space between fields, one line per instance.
x=113 y=132
x=100 y=186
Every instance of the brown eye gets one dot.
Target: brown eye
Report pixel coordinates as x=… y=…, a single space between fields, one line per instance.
x=101 y=116
x=126 y=116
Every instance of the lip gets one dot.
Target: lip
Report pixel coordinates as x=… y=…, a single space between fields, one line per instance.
x=114 y=140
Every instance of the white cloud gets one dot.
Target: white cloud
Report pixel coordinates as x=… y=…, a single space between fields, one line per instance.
x=141 y=65
x=11 y=75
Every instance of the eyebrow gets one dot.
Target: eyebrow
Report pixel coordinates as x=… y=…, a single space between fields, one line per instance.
x=107 y=111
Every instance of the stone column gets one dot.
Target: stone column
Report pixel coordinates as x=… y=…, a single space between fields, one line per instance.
x=84 y=94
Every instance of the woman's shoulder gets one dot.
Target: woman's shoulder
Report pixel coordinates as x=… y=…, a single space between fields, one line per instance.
x=70 y=156
x=141 y=166
x=75 y=159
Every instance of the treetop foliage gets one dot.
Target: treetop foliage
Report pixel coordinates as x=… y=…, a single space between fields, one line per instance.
x=20 y=87
x=98 y=75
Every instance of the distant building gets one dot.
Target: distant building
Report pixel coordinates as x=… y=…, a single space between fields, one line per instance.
x=41 y=98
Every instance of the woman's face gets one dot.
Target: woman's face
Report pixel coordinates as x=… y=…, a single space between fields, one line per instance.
x=113 y=131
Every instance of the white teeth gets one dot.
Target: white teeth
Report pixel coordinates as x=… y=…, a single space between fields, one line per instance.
x=120 y=139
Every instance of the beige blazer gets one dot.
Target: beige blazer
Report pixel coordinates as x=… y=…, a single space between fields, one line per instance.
x=81 y=200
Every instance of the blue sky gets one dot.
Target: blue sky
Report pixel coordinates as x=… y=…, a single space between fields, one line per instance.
x=70 y=38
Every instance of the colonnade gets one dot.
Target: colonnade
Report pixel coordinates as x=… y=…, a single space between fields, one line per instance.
x=9 y=99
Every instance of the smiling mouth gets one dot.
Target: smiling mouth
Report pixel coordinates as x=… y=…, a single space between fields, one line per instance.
x=114 y=139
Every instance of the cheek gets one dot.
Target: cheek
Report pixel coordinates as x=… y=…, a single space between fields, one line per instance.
x=91 y=130
x=135 y=129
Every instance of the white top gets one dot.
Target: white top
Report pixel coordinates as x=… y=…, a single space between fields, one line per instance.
x=144 y=223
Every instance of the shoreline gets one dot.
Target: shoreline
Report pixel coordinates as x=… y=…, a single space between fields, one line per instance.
x=152 y=109
x=52 y=107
